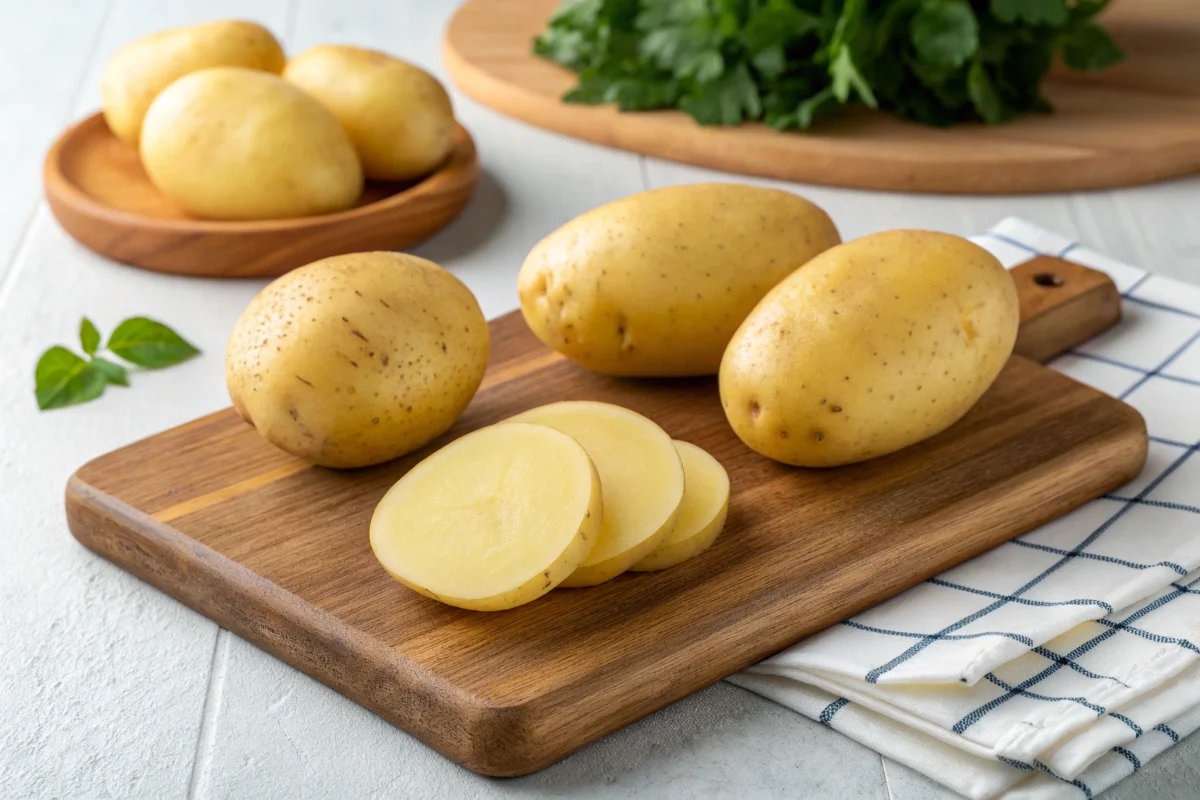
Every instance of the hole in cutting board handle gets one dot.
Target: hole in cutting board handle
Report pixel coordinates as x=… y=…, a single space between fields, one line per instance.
x=1048 y=279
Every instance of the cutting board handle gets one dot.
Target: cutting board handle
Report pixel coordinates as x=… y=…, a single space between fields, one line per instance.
x=1063 y=304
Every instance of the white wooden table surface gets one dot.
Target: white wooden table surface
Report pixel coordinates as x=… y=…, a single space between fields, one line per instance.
x=110 y=689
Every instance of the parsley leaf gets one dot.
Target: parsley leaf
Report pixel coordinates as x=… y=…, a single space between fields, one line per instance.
x=846 y=77
x=983 y=94
x=945 y=32
x=1035 y=12
x=1089 y=47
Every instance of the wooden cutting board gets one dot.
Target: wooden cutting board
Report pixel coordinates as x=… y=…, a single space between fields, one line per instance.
x=1136 y=123
x=277 y=550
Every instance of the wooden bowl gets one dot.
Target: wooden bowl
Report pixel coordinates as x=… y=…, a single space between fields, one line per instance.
x=100 y=194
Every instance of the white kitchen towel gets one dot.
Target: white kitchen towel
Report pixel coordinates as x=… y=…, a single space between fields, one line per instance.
x=968 y=774
x=1034 y=651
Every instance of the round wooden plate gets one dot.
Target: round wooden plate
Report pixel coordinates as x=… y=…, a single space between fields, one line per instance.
x=1135 y=123
x=100 y=194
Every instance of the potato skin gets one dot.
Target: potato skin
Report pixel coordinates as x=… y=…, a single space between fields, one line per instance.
x=873 y=346
x=357 y=359
x=656 y=284
x=141 y=69
x=398 y=115
x=233 y=143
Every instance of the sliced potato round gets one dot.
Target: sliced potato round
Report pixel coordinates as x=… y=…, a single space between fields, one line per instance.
x=493 y=520
x=641 y=476
x=702 y=515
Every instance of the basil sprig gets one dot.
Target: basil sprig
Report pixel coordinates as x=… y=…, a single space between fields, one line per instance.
x=65 y=378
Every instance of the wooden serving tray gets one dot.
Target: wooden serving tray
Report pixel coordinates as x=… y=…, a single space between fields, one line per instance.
x=277 y=550
x=1136 y=123
x=100 y=194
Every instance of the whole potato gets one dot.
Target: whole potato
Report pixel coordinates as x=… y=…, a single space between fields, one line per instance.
x=655 y=284
x=232 y=143
x=398 y=115
x=357 y=359
x=873 y=346
x=146 y=66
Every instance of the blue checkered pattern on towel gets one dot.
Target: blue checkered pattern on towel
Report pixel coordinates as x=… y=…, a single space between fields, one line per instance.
x=1048 y=652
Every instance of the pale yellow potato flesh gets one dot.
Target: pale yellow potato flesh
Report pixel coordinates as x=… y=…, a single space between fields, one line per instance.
x=493 y=520
x=655 y=284
x=357 y=359
x=238 y=144
x=144 y=67
x=870 y=347
x=702 y=515
x=641 y=475
x=397 y=114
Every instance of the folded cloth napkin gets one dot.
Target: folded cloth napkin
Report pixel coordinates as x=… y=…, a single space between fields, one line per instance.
x=1055 y=664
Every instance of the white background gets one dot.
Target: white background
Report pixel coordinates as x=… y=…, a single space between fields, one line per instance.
x=111 y=689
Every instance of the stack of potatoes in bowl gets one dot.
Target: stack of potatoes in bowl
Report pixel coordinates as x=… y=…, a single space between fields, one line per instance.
x=230 y=129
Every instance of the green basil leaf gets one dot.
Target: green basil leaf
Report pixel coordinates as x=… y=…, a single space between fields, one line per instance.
x=113 y=373
x=63 y=378
x=89 y=337
x=1089 y=47
x=149 y=344
x=1035 y=12
x=945 y=32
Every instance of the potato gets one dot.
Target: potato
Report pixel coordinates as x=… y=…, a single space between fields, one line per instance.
x=872 y=346
x=655 y=284
x=493 y=520
x=146 y=66
x=232 y=143
x=357 y=359
x=398 y=115
x=640 y=473
x=702 y=514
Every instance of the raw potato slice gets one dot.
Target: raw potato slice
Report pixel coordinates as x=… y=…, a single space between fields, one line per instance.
x=702 y=515
x=640 y=472
x=492 y=520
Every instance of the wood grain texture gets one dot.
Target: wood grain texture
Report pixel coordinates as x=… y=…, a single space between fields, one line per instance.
x=100 y=194
x=1134 y=124
x=277 y=550
x=1060 y=301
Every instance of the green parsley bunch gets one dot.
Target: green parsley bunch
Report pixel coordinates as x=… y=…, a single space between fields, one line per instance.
x=785 y=62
